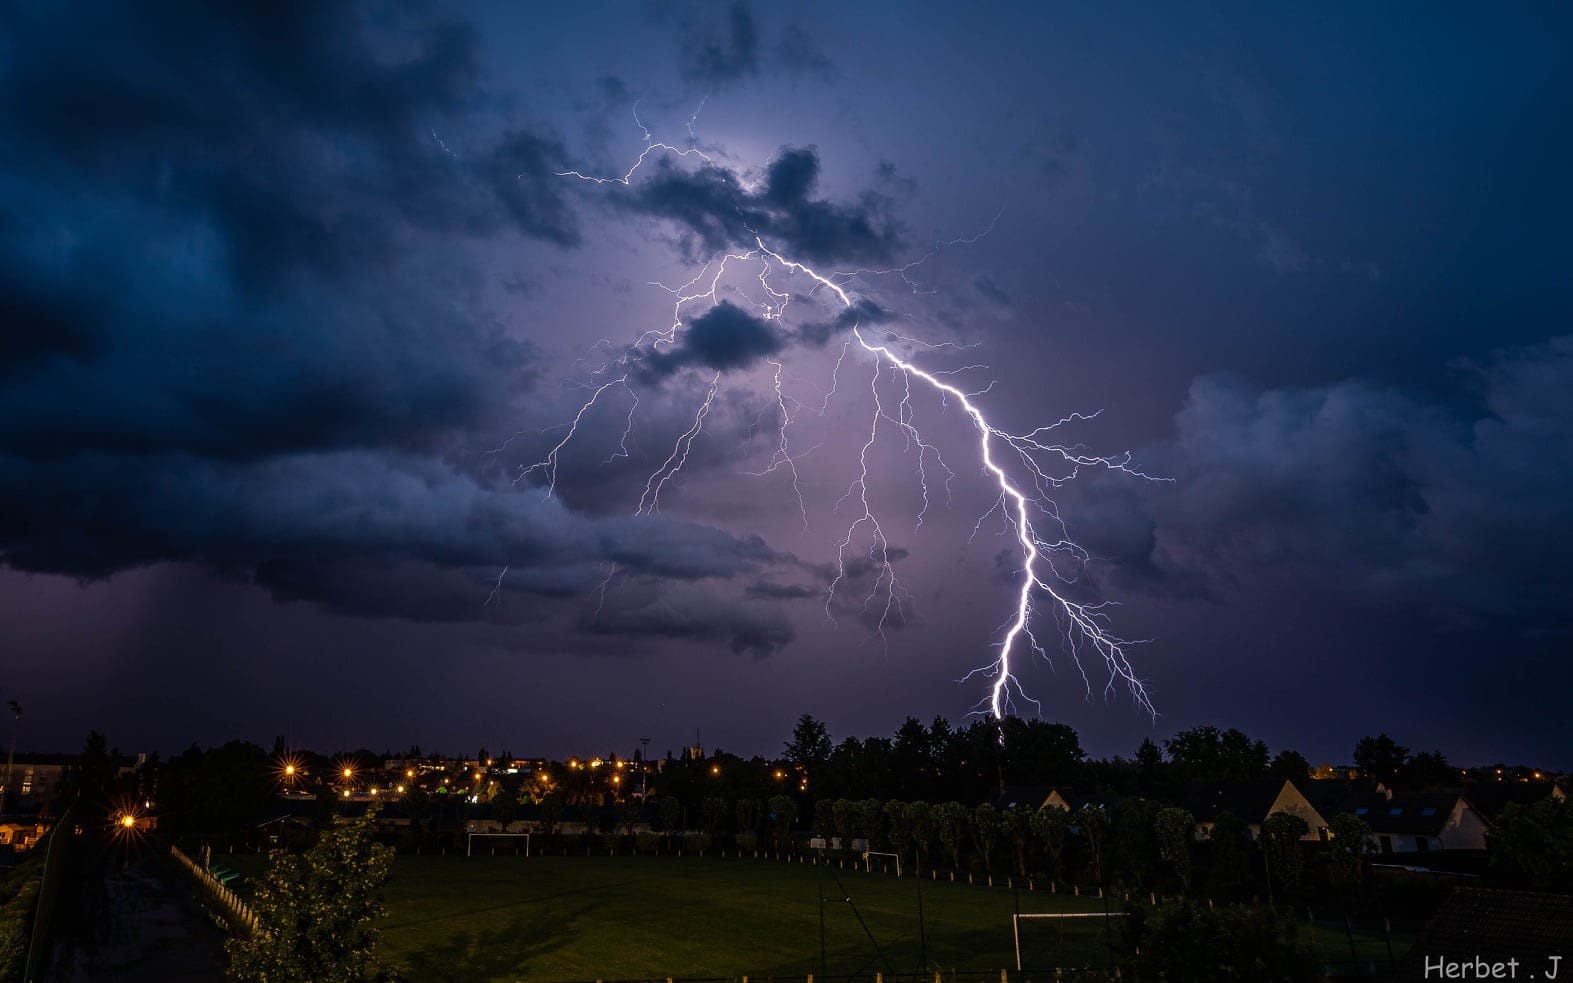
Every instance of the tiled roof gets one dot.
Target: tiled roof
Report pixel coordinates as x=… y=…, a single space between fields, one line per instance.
x=1495 y=926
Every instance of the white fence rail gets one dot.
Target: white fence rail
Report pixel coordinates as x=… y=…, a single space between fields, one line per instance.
x=238 y=913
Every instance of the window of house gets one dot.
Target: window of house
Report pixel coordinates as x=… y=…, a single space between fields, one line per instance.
x=1396 y=811
x=1421 y=844
x=1361 y=811
x=1428 y=811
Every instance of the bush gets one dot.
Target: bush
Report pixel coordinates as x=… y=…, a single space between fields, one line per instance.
x=696 y=842
x=646 y=842
x=747 y=842
x=1192 y=942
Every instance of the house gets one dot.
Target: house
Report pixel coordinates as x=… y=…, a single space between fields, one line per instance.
x=22 y=833
x=1331 y=796
x=1034 y=797
x=1420 y=821
x=1477 y=926
x=1251 y=802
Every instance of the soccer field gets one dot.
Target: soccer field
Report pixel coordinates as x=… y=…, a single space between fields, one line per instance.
x=585 y=918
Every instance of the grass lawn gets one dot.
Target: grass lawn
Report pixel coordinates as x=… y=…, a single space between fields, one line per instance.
x=585 y=918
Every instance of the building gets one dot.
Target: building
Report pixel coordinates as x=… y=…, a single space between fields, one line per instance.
x=1403 y=822
x=1476 y=927
x=1251 y=802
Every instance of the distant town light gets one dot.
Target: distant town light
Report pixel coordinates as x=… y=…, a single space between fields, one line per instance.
x=128 y=821
x=400 y=790
x=348 y=772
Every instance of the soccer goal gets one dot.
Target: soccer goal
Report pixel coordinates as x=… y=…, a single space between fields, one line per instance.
x=868 y=856
x=1015 y=922
x=469 y=846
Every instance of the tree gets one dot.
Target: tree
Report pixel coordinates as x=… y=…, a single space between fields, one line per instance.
x=551 y=811
x=1281 y=834
x=1429 y=769
x=1380 y=757
x=824 y=819
x=985 y=831
x=1228 y=845
x=920 y=827
x=1207 y=752
x=810 y=744
x=747 y=817
x=1351 y=840
x=1290 y=765
x=1050 y=826
x=896 y=824
x=315 y=911
x=1013 y=823
x=951 y=819
x=1534 y=844
x=1176 y=828
x=1093 y=824
x=712 y=812
x=843 y=814
x=671 y=816
x=870 y=818
x=783 y=813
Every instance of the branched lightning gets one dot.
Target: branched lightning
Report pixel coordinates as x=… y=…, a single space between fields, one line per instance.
x=1043 y=462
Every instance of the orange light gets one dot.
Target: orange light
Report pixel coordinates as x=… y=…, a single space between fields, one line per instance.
x=400 y=790
x=409 y=773
x=128 y=821
x=348 y=772
x=715 y=769
x=289 y=769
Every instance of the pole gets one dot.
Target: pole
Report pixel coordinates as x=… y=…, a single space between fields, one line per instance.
x=824 y=971
x=923 y=943
x=10 y=758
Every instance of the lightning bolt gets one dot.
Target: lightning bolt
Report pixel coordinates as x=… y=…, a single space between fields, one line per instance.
x=1025 y=506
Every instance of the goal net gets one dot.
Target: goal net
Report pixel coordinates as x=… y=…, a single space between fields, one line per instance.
x=1069 y=934
x=512 y=839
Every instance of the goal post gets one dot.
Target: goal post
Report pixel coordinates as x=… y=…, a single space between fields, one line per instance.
x=869 y=854
x=1015 y=922
x=469 y=846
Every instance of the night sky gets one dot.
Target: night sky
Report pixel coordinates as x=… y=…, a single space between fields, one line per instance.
x=290 y=299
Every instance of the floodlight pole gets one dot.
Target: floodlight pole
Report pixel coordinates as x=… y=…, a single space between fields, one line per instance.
x=824 y=972
x=10 y=758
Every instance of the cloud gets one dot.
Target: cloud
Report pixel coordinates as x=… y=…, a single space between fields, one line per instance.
x=718 y=212
x=1366 y=491
x=723 y=338
x=692 y=613
x=341 y=528
x=715 y=58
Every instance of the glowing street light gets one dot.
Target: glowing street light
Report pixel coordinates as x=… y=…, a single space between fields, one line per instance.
x=128 y=821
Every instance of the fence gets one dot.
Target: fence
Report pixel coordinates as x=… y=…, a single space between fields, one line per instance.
x=238 y=914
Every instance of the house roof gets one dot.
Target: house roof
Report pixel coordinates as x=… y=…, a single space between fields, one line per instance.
x=1415 y=813
x=1247 y=801
x=1029 y=796
x=1494 y=926
x=1331 y=796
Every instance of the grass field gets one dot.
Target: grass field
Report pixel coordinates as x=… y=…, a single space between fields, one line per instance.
x=586 y=918
x=575 y=918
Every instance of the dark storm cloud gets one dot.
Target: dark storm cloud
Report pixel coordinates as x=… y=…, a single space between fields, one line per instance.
x=783 y=592
x=241 y=321
x=723 y=338
x=694 y=614
x=716 y=57
x=299 y=521
x=718 y=212
x=208 y=217
x=1368 y=491
x=718 y=52
x=862 y=312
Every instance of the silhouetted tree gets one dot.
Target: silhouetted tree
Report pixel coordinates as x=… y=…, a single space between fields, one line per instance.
x=810 y=744
x=1176 y=828
x=1381 y=757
